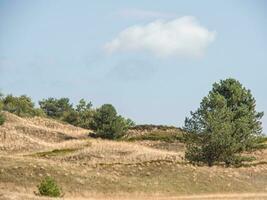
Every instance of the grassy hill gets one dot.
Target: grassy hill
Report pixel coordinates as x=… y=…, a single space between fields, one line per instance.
x=147 y=164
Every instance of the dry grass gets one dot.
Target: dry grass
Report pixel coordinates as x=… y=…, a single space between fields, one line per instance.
x=251 y=196
x=103 y=151
x=95 y=168
x=20 y=134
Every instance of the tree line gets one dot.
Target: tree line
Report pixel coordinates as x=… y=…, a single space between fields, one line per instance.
x=104 y=120
x=224 y=126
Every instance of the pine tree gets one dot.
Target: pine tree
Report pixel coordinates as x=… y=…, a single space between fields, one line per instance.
x=225 y=125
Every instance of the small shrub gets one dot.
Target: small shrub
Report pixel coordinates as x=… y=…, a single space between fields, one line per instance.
x=158 y=136
x=49 y=187
x=2 y=119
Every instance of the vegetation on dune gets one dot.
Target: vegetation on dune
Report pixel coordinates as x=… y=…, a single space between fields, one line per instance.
x=225 y=125
x=2 y=118
x=62 y=109
x=55 y=108
x=151 y=127
x=55 y=152
x=103 y=120
x=223 y=130
x=107 y=124
x=154 y=133
x=22 y=106
x=49 y=187
x=158 y=136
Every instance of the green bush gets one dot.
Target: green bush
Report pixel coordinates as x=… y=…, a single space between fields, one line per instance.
x=63 y=110
x=107 y=124
x=22 y=106
x=158 y=136
x=2 y=119
x=55 y=108
x=49 y=187
x=85 y=114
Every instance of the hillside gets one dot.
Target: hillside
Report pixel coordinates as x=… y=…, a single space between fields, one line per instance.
x=22 y=134
x=136 y=168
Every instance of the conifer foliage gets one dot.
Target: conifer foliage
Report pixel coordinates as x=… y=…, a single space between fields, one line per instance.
x=225 y=125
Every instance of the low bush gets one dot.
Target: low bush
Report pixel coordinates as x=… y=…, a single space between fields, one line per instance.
x=49 y=187
x=159 y=136
x=2 y=119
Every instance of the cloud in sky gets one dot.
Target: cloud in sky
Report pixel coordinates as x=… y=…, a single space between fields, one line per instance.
x=144 y=14
x=179 y=37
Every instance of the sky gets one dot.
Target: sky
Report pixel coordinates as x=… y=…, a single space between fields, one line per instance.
x=153 y=60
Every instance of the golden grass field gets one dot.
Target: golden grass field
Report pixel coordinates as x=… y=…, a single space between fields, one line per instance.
x=88 y=168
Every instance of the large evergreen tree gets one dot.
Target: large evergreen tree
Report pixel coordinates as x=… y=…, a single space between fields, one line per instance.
x=225 y=125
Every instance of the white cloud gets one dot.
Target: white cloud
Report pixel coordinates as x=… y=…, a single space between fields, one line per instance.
x=144 y=14
x=179 y=37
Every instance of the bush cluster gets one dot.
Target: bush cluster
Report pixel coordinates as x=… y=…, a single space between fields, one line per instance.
x=22 y=106
x=62 y=109
x=104 y=120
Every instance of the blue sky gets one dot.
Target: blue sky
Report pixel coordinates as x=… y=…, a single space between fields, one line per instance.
x=154 y=60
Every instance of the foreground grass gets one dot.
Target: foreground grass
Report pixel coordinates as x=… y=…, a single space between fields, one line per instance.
x=55 y=152
x=150 y=167
x=162 y=177
x=158 y=136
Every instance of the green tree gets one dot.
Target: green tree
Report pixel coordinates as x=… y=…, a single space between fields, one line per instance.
x=63 y=110
x=225 y=125
x=85 y=114
x=2 y=118
x=83 y=106
x=129 y=123
x=55 y=108
x=107 y=124
x=22 y=106
x=71 y=117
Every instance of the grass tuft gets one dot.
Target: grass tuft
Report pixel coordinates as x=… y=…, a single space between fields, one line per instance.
x=55 y=152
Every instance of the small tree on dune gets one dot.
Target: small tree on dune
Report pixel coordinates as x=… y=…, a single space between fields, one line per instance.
x=225 y=125
x=107 y=124
x=2 y=118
